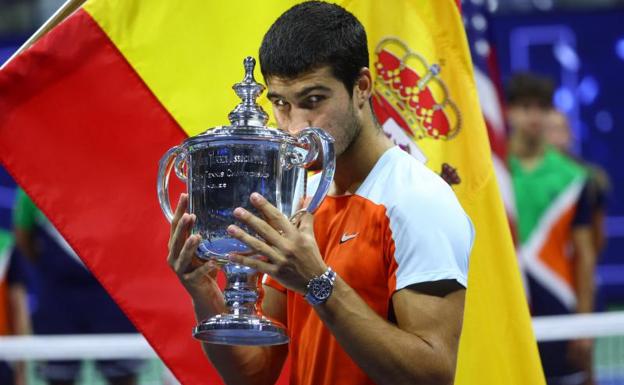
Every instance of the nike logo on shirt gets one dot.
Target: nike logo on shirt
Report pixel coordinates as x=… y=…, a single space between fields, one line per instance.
x=347 y=237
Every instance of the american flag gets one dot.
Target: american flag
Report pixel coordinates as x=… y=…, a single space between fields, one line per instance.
x=476 y=16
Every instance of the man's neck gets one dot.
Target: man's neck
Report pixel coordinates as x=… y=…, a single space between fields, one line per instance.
x=528 y=151
x=354 y=165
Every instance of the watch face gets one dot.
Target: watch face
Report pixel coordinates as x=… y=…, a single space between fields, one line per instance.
x=321 y=288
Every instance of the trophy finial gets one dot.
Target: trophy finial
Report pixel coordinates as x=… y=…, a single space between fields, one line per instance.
x=250 y=64
x=248 y=112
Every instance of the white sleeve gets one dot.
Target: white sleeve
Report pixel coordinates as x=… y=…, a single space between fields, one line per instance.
x=432 y=237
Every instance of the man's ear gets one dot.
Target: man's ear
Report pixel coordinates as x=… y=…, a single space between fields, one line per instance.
x=363 y=87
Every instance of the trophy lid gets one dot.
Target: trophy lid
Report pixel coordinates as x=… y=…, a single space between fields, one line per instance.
x=248 y=112
x=248 y=119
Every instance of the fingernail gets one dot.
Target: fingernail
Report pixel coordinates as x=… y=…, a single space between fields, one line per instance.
x=193 y=218
x=239 y=212
x=256 y=198
x=232 y=230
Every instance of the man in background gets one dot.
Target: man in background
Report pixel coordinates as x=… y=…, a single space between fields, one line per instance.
x=70 y=300
x=559 y=135
x=14 y=316
x=554 y=226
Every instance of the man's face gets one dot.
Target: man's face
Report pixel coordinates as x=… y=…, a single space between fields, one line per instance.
x=527 y=118
x=315 y=99
x=557 y=132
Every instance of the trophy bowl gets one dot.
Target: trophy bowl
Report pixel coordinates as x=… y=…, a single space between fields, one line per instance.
x=221 y=168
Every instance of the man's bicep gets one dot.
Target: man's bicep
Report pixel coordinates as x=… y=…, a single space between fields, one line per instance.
x=432 y=311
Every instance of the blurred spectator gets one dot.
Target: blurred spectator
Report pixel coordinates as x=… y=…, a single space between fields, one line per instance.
x=70 y=300
x=559 y=135
x=14 y=317
x=556 y=243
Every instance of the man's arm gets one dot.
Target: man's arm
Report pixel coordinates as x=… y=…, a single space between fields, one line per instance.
x=18 y=309
x=25 y=243
x=585 y=265
x=254 y=365
x=580 y=351
x=585 y=254
x=420 y=349
x=20 y=322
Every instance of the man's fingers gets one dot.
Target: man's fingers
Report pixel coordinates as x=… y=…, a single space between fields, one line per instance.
x=254 y=263
x=208 y=269
x=256 y=244
x=261 y=227
x=179 y=236
x=180 y=210
x=306 y=222
x=182 y=263
x=272 y=215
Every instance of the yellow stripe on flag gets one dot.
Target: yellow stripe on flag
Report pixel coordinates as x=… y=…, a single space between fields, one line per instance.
x=189 y=53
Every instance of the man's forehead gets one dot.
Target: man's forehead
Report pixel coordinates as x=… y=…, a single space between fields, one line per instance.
x=532 y=102
x=321 y=76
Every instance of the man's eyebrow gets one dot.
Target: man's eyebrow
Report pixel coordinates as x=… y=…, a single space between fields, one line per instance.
x=302 y=93
x=273 y=95
x=311 y=89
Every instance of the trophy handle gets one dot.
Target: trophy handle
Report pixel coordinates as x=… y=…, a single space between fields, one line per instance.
x=319 y=143
x=174 y=158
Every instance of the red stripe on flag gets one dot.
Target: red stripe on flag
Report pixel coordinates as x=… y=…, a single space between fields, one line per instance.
x=82 y=133
x=496 y=77
x=497 y=142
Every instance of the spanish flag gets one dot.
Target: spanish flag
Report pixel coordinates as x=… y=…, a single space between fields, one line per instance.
x=88 y=110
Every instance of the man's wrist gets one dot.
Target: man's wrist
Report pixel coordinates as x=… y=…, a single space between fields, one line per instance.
x=320 y=288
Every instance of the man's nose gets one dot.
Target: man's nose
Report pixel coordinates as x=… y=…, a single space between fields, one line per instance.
x=299 y=119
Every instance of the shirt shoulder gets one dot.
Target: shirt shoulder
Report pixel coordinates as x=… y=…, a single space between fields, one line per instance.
x=432 y=234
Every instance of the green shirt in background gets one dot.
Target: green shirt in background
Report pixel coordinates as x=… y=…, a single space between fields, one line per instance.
x=25 y=213
x=537 y=189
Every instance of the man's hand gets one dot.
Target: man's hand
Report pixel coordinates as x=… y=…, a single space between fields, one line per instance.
x=291 y=254
x=197 y=278
x=580 y=353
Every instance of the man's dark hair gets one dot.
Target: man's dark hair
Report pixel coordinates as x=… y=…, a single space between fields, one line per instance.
x=311 y=35
x=529 y=87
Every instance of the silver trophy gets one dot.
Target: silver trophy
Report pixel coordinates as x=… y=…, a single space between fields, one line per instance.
x=221 y=168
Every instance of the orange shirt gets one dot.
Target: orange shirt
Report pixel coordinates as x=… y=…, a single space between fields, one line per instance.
x=378 y=240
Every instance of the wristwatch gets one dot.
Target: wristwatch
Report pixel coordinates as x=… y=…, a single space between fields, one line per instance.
x=320 y=288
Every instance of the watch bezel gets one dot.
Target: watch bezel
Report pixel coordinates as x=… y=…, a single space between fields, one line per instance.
x=320 y=288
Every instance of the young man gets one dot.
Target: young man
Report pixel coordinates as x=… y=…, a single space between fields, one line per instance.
x=559 y=135
x=554 y=230
x=69 y=298
x=392 y=231
x=14 y=312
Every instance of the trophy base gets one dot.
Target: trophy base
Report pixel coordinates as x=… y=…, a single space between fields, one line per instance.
x=228 y=329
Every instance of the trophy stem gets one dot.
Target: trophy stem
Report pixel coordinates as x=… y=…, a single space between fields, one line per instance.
x=243 y=323
x=241 y=290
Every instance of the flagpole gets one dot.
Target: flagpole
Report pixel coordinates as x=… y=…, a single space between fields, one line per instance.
x=69 y=7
